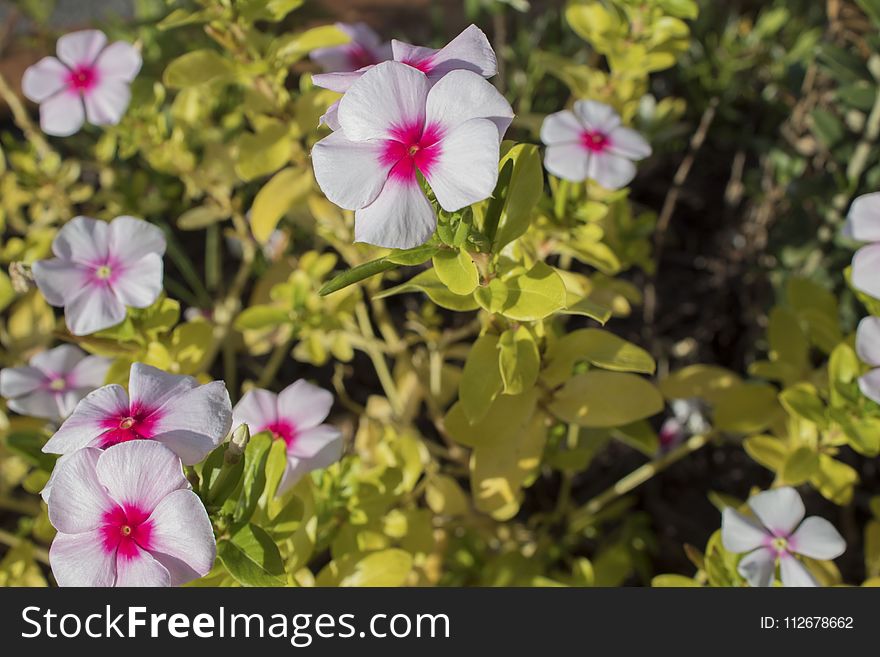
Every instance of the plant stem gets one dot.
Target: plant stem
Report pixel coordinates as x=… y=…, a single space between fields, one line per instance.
x=378 y=359
x=279 y=354
x=40 y=554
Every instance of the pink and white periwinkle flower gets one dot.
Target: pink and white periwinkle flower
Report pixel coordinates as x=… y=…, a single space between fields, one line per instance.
x=89 y=80
x=469 y=51
x=101 y=268
x=589 y=142
x=394 y=126
x=365 y=48
x=296 y=416
x=126 y=517
x=779 y=533
x=863 y=225
x=868 y=349
x=188 y=418
x=53 y=382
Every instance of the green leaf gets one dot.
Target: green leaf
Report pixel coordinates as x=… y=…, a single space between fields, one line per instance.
x=252 y=557
x=800 y=465
x=428 y=283
x=386 y=568
x=285 y=189
x=197 y=67
x=803 y=400
x=768 y=451
x=260 y=317
x=835 y=480
x=261 y=153
x=297 y=46
x=872 y=9
x=597 y=347
x=414 y=256
x=746 y=408
x=201 y=217
x=521 y=195
x=639 y=435
x=587 y=308
x=606 y=399
x=456 y=270
x=673 y=581
x=527 y=297
x=480 y=380
x=518 y=360
x=356 y=275
x=254 y=477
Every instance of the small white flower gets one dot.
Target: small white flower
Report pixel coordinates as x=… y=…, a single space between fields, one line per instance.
x=868 y=349
x=863 y=225
x=778 y=536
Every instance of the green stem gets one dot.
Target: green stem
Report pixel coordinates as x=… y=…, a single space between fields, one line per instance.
x=40 y=554
x=379 y=363
x=23 y=120
x=279 y=355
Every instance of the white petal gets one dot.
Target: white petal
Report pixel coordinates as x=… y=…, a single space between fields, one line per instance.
x=139 y=283
x=818 y=539
x=182 y=537
x=780 y=510
x=195 y=422
x=119 y=61
x=339 y=82
x=59 y=280
x=81 y=48
x=869 y=384
x=330 y=118
x=296 y=468
x=83 y=240
x=66 y=402
x=609 y=170
x=793 y=573
x=87 y=422
x=44 y=79
x=389 y=95
x=401 y=217
x=90 y=372
x=58 y=361
x=304 y=405
x=18 y=381
x=79 y=501
x=81 y=560
x=141 y=570
x=130 y=239
x=628 y=143
x=758 y=567
x=863 y=220
x=739 y=533
x=94 y=309
x=466 y=169
x=868 y=340
x=866 y=270
x=321 y=446
x=62 y=115
x=152 y=388
x=107 y=102
x=597 y=116
x=567 y=161
x=351 y=174
x=469 y=51
x=561 y=128
x=256 y=408
x=40 y=403
x=139 y=473
x=461 y=96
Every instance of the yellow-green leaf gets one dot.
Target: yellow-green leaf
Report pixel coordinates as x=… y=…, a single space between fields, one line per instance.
x=283 y=191
x=606 y=399
x=456 y=270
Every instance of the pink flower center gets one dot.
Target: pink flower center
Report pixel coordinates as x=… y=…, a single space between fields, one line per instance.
x=595 y=141
x=424 y=65
x=358 y=56
x=56 y=383
x=138 y=424
x=82 y=79
x=412 y=148
x=105 y=273
x=282 y=430
x=124 y=529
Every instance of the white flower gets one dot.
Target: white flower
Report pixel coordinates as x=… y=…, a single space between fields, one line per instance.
x=590 y=142
x=868 y=349
x=863 y=225
x=779 y=536
x=364 y=49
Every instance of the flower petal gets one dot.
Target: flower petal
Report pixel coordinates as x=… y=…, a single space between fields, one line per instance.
x=597 y=116
x=182 y=537
x=322 y=446
x=58 y=361
x=304 y=405
x=758 y=567
x=351 y=174
x=130 y=238
x=866 y=270
x=58 y=280
x=80 y=48
x=90 y=372
x=152 y=388
x=87 y=422
x=469 y=51
x=256 y=408
x=83 y=240
x=567 y=161
x=140 y=570
x=466 y=169
x=818 y=539
x=389 y=95
x=628 y=143
x=139 y=473
x=79 y=501
x=195 y=422
x=339 y=82
x=18 y=381
x=868 y=340
x=95 y=308
x=780 y=510
x=401 y=217
x=461 y=96
x=863 y=220
x=62 y=115
x=611 y=171
x=139 y=283
x=40 y=403
x=44 y=79
x=119 y=61
x=561 y=128
x=330 y=118
x=793 y=573
x=739 y=533
x=869 y=384
x=107 y=102
x=81 y=560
